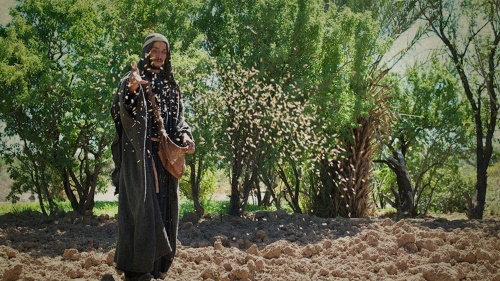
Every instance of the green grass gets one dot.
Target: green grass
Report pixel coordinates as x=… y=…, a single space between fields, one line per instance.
x=106 y=208
x=111 y=207
x=219 y=207
x=211 y=207
x=18 y=208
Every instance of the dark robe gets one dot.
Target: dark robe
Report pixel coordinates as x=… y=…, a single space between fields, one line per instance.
x=148 y=210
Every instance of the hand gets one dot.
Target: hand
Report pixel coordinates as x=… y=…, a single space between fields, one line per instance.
x=135 y=79
x=189 y=143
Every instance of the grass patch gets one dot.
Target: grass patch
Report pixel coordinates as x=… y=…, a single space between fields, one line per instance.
x=19 y=208
x=101 y=207
x=106 y=208
x=111 y=207
x=218 y=207
x=210 y=206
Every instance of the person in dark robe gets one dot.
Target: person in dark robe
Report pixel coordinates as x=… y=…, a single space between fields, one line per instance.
x=148 y=208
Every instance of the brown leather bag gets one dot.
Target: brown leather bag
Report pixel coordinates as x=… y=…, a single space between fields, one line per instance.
x=171 y=155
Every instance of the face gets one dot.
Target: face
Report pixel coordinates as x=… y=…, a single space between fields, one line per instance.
x=158 y=55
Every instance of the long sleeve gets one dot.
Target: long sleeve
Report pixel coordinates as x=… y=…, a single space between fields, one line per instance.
x=130 y=99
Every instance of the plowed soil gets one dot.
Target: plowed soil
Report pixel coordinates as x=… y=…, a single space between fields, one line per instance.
x=261 y=246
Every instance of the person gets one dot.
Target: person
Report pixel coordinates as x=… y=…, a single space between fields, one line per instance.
x=148 y=208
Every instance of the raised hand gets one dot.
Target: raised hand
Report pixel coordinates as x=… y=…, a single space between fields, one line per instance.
x=135 y=79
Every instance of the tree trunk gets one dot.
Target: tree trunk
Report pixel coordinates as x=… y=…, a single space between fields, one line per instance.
x=269 y=181
x=405 y=192
x=198 y=208
x=249 y=183
x=266 y=200
x=291 y=189
x=195 y=180
x=479 y=196
x=234 y=200
x=67 y=190
x=236 y=171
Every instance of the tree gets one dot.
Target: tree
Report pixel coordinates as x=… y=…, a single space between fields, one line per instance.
x=267 y=40
x=257 y=118
x=55 y=84
x=72 y=55
x=428 y=136
x=348 y=79
x=195 y=71
x=350 y=102
x=470 y=33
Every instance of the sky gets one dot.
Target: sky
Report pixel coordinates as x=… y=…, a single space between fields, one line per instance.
x=420 y=52
x=4 y=11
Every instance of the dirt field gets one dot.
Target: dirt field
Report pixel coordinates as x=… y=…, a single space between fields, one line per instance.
x=265 y=246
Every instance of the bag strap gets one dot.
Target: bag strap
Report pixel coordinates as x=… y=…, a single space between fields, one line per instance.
x=156 y=109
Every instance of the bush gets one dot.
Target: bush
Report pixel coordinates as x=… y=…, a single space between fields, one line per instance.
x=449 y=198
x=492 y=207
x=207 y=188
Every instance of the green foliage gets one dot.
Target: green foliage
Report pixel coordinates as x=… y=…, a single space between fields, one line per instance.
x=27 y=207
x=282 y=95
x=194 y=68
x=460 y=25
x=259 y=121
x=448 y=197
x=56 y=83
x=256 y=46
x=430 y=147
x=207 y=187
x=493 y=193
x=346 y=106
x=347 y=58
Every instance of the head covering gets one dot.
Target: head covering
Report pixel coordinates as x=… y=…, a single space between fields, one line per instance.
x=144 y=62
x=155 y=37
